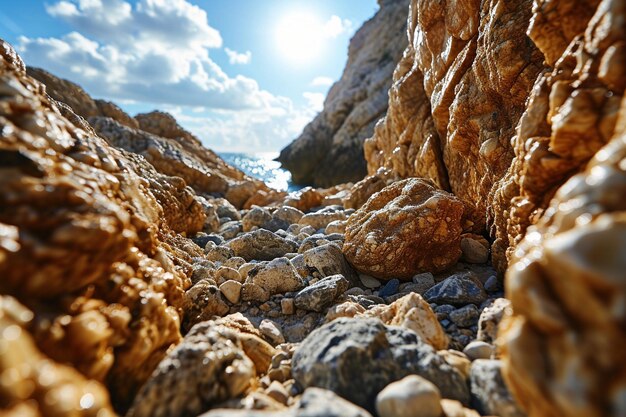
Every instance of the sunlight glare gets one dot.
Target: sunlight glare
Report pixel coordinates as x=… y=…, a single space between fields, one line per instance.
x=299 y=37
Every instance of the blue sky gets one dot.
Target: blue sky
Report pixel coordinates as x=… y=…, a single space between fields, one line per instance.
x=244 y=75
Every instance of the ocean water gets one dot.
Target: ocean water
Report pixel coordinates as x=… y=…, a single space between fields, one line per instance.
x=262 y=166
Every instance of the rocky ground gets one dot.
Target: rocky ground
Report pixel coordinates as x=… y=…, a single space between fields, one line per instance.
x=477 y=270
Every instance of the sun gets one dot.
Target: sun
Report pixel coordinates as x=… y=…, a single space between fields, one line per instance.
x=299 y=37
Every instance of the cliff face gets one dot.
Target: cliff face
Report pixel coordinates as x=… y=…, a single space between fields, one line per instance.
x=330 y=149
x=517 y=109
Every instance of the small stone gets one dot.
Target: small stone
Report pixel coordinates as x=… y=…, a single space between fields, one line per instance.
x=231 y=290
x=458 y=360
x=230 y=229
x=225 y=273
x=459 y=290
x=218 y=253
x=289 y=215
x=473 y=251
x=452 y=408
x=443 y=311
x=337 y=226
x=422 y=283
x=490 y=319
x=329 y=260
x=261 y=245
x=412 y=396
x=390 y=288
x=256 y=217
x=272 y=332
x=253 y=292
x=321 y=220
x=489 y=391
x=321 y=295
x=478 y=350
x=287 y=306
x=369 y=281
x=276 y=277
x=465 y=316
x=307 y=230
x=277 y=391
x=493 y=284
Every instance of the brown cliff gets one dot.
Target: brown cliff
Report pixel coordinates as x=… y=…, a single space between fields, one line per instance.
x=330 y=150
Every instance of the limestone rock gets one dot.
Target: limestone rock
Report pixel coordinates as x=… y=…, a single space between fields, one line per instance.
x=85 y=241
x=357 y=358
x=328 y=260
x=490 y=318
x=571 y=113
x=319 y=296
x=574 y=328
x=490 y=394
x=413 y=313
x=478 y=350
x=261 y=245
x=276 y=277
x=231 y=291
x=450 y=120
x=208 y=367
x=412 y=396
x=406 y=228
x=330 y=150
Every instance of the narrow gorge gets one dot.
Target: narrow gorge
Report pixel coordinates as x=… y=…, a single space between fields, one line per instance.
x=466 y=258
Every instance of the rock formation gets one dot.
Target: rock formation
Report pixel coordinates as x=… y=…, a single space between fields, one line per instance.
x=330 y=150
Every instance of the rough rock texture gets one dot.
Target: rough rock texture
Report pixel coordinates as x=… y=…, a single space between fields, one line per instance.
x=208 y=367
x=457 y=96
x=490 y=395
x=74 y=96
x=570 y=115
x=408 y=227
x=330 y=150
x=85 y=244
x=575 y=328
x=357 y=358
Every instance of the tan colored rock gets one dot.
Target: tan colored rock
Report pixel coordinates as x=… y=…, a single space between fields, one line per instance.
x=457 y=360
x=31 y=383
x=364 y=189
x=231 y=291
x=414 y=313
x=412 y=396
x=330 y=150
x=573 y=327
x=457 y=97
x=453 y=408
x=571 y=113
x=82 y=235
x=408 y=227
x=276 y=277
x=192 y=377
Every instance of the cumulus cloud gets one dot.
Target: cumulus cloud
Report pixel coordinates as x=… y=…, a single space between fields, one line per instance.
x=322 y=82
x=336 y=26
x=315 y=100
x=156 y=51
x=235 y=57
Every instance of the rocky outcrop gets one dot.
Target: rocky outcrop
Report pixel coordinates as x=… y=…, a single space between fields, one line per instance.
x=382 y=237
x=330 y=150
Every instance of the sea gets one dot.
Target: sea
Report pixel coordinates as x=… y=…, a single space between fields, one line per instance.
x=262 y=165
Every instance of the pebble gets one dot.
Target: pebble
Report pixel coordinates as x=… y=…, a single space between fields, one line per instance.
x=319 y=296
x=478 y=350
x=459 y=290
x=369 y=281
x=412 y=396
x=489 y=391
x=493 y=284
x=473 y=251
x=465 y=316
x=277 y=391
x=390 y=288
x=231 y=290
x=287 y=306
x=272 y=332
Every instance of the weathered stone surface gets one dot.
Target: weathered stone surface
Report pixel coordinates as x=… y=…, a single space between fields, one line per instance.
x=458 y=290
x=574 y=328
x=81 y=103
x=203 y=301
x=321 y=219
x=570 y=115
x=208 y=367
x=490 y=318
x=319 y=296
x=490 y=395
x=32 y=384
x=276 y=277
x=261 y=245
x=406 y=228
x=413 y=313
x=478 y=350
x=84 y=241
x=457 y=96
x=412 y=396
x=315 y=402
x=357 y=358
x=329 y=260
x=330 y=150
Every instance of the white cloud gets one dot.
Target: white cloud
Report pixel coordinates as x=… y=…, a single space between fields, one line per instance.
x=235 y=57
x=336 y=26
x=315 y=100
x=156 y=51
x=322 y=82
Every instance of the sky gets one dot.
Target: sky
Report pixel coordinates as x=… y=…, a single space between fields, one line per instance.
x=243 y=75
